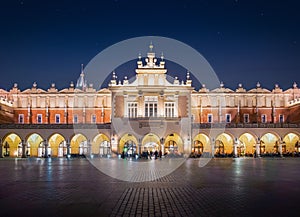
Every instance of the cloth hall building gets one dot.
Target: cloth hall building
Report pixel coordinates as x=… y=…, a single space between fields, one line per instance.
x=147 y=114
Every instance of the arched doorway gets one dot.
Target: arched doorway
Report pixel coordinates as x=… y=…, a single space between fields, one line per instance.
x=150 y=142
x=101 y=145
x=200 y=145
x=173 y=145
x=36 y=145
x=11 y=145
x=58 y=145
x=247 y=144
x=290 y=143
x=224 y=145
x=269 y=144
x=79 y=145
x=128 y=145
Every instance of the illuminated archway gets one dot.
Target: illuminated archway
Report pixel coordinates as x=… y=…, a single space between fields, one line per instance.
x=58 y=145
x=11 y=145
x=36 y=146
x=224 y=144
x=78 y=144
x=269 y=143
x=101 y=145
x=201 y=144
x=173 y=144
x=151 y=142
x=290 y=143
x=128 y=145
x=247 y=143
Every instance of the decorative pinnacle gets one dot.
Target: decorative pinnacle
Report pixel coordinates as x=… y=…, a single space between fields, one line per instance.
x=151 y=46
x=188 y=75
x=295 y=85
x=258 y=85
x=162 y=56
x=140 y=56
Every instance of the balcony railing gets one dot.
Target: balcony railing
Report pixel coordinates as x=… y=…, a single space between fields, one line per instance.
x=55 y=126
x=245 y=125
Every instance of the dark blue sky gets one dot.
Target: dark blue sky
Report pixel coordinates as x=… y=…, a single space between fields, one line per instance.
x=244 y=41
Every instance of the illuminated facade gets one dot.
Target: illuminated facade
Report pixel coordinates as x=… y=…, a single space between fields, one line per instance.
x=149 y=113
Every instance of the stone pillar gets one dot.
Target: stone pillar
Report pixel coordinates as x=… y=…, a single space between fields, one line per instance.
x=68 y=149
x=280 y=148
x=213 y=148
x=89 y=148
x=24 y=149
x=1 y=149
x=257 y=149
x=46 y=149
x=140 y=147
x=162 y=146
x=235 y=154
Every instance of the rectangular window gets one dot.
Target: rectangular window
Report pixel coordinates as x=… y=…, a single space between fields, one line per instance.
x=209 y=118
x=39 y=119
x=281 y=118
x=169 y=109
x=151 y=106
x=132 y=109
x=75 y=119
x=228 y=118
x=150 y=109
x=94 y=119
x=264 y=118
x=21 y=119
x=246 y=118
x=57 y=118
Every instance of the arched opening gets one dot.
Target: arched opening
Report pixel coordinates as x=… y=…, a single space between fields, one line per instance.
x=79 y=145
x=269 y=144
x=128 y=146
x=36 y=146
x=101 y=145
x=247 y=144
x=224 y=145
x=200 y=145
x=58 y=145
x=11 y=145
x=290 y=144
x=173 y=145
x=151 y=143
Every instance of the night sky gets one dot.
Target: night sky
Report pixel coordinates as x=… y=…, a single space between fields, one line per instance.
x=244 y=41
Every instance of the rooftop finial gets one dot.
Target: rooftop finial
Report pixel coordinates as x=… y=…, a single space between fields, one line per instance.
x=140 y=56
x=258 y=85
x=162 y=56
x=151 y=46
x=81 y=68
x=295 y=85
x=188 y=75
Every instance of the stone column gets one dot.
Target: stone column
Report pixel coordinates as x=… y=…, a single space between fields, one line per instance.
x=68 y=149
x=1 y=149
x=280 y=148
x=46 y=149
x=24 y=149
x=235 y=154
x=89 y=147
x=213 y=148
x=257 y=148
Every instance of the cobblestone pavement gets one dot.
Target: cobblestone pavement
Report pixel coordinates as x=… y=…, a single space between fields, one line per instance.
x=224 y=187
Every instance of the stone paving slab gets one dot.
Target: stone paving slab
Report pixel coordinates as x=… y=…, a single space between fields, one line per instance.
x=224 y=187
